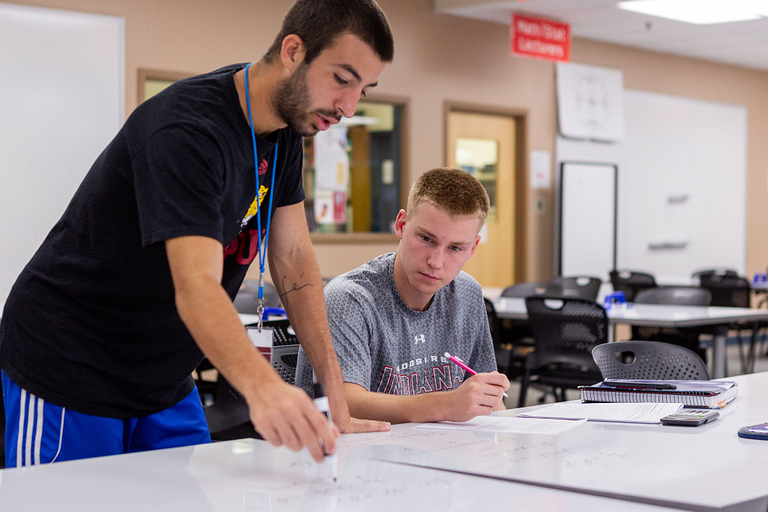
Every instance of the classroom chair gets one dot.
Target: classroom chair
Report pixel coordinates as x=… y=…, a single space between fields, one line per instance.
x=508 y=358
x=515 y=336
x=651 y=360
x=566 y=329
x=725 y=272
x=585 y=287
x=733 y=291
x=674 y=295
x=631 y=282
x=228 y=416
x=246 y=302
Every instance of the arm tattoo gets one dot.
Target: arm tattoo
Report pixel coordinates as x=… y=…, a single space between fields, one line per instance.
x=293 y=288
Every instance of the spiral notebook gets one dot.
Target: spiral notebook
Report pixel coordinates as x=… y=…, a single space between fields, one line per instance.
x=690 y=393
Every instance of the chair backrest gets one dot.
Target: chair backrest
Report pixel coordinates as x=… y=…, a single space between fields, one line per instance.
x=679 y=295
x=493 y=321
x=523 y=290
x=584 y=287
x=247 y=298
x=648 y=360
x=631 y=282
x=566 y=330
x=727 y=291
x=727 y=272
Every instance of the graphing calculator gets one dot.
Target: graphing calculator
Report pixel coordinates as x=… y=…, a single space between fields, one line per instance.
x=691 y=417
x=755 y=431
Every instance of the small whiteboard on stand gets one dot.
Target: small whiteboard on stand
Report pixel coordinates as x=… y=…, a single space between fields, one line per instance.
x=587 y=220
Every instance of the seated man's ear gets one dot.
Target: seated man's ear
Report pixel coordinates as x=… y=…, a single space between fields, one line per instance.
x=474 y=246
x=402 y=217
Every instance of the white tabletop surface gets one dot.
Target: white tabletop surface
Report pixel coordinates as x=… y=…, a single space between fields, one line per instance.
x=696 y=468
x=252 y=476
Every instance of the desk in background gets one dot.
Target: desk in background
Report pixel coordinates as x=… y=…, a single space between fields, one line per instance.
x=663 y=316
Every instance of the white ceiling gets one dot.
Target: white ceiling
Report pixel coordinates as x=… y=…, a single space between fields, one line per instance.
x=744 y=43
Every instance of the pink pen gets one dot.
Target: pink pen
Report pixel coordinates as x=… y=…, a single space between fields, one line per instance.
x=458 y=362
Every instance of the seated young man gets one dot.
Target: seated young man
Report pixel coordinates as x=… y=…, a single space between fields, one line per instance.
x=393 y=319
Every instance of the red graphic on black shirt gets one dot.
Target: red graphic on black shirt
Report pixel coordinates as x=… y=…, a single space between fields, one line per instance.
x=263 y=166
x=245 y=246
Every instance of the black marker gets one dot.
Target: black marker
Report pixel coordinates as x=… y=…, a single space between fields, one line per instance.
x=639 y=385
x=322 y=404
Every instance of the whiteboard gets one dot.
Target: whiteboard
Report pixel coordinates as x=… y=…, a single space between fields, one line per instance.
x=682 y=184
x=62 y=99
x=587 y=219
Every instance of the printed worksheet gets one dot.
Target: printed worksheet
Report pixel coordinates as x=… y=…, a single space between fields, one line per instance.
x=506 y=424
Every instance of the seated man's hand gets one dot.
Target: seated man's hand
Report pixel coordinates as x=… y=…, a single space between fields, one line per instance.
x=355 y=425
x=478 y=395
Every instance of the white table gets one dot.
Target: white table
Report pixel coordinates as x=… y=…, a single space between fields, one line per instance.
x=663 y=316
x=702 y=468
x=252 y=476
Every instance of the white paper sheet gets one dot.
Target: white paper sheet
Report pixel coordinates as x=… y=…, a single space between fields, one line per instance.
x=624 y=413
x=505 y=424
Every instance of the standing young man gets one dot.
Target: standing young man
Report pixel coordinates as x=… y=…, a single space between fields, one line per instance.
x=394 y=318
x=134 y=284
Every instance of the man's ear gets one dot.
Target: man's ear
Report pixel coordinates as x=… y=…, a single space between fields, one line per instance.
x=402 y=216
x=474 y=246
x=292 y=52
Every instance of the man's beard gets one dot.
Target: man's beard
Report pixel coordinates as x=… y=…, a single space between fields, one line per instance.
x=291 y=102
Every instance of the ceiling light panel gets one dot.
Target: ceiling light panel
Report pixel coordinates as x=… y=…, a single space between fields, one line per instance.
x=700 y=12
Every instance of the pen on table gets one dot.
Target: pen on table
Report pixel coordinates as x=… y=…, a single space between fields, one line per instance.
x=321 y=402
x=458 y=362
x=639 y=385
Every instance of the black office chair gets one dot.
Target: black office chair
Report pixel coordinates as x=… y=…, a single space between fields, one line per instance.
x=631 y=282
x=566 y=330
x=725 y=272
x=246 y=302
x=648 y=360
x=515 y=336
x=523 y=290
x=584 y=287
x=228 y=416
x=508 y=360
x=674 y=295
x=734 y=291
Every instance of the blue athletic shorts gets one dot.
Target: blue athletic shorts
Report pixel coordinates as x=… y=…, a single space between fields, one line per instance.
x=39 y=432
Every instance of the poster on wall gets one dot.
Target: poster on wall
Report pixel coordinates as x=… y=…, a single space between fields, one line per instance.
x=590 y=102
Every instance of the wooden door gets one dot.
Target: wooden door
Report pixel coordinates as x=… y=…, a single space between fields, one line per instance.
x=474 y=142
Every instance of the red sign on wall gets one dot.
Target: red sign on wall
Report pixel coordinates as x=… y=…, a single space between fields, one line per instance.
x=542 y=39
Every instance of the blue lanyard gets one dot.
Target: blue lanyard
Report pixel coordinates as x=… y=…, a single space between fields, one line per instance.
x=262 y=253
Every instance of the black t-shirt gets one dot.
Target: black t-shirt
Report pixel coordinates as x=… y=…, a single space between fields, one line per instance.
x=91 y=323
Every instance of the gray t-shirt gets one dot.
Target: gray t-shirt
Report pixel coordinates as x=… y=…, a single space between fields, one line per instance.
x=385 y=346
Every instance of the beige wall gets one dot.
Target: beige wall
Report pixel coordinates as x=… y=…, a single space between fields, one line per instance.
x=441 y=58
